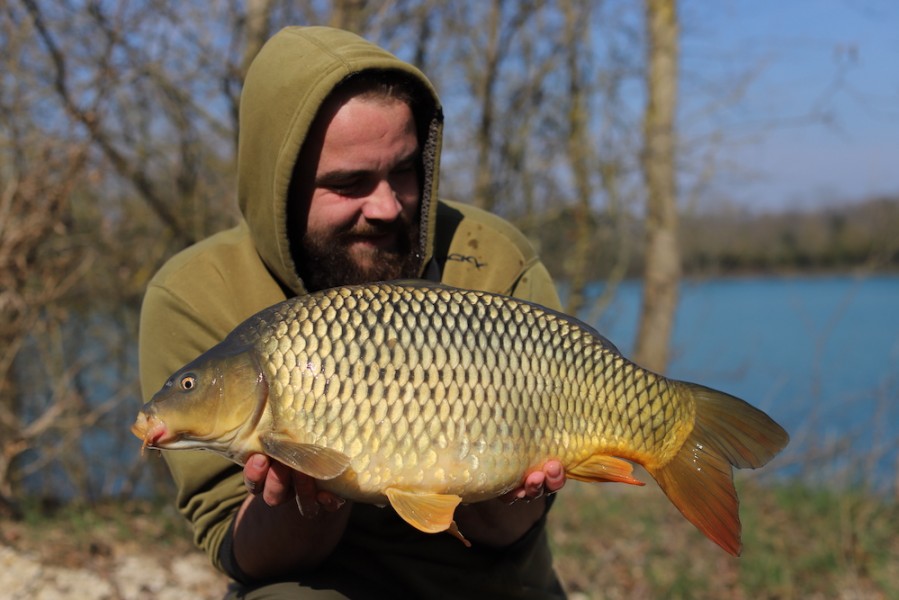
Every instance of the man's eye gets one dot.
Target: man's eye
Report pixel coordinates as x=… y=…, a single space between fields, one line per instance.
x=408 y=168
x=343 y=184
x=344 y=190
x=353 y=188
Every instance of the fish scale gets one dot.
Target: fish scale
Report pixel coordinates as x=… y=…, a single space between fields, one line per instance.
x=424 y=396
x=396 y=312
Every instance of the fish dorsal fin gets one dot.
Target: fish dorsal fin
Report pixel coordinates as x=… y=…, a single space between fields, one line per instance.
x=316 y=461
x=431 y=513
x=599 y=468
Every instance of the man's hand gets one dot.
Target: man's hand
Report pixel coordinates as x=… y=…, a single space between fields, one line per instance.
x=278 y=483
x=271 y=537
x=548 y=480
x=495 y=523
x=503 y=521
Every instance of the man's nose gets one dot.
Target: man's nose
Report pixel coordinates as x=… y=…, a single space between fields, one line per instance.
x=382 y=204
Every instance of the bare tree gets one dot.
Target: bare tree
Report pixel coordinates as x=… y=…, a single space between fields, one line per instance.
x=489 y=40
x=114 y=152
x=40 y=266
x=662 y=257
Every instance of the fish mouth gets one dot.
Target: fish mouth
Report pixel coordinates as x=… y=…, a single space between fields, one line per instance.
x=151 y=430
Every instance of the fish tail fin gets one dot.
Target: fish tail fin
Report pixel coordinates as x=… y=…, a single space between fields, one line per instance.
x=727 y=433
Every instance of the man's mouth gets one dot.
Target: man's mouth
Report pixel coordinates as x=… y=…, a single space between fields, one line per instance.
x=382 y=241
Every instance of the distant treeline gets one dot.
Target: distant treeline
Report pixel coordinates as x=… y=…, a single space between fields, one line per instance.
x=858 y=235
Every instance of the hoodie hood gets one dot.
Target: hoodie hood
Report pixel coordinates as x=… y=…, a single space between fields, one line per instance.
x=287 y=83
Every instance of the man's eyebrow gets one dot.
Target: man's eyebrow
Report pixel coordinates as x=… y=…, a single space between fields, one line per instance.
x=338 y=176
x=412 y=158
x=342 y=175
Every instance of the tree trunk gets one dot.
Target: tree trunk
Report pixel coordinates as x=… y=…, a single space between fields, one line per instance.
x=484 y=196
x=579 y=155
x=258 y=13
x=349 y=15
x=662 y=256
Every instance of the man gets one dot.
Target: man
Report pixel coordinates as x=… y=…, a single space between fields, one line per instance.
x=337 y=179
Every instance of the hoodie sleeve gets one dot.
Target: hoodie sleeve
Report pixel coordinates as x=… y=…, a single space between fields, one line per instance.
x=194 y=301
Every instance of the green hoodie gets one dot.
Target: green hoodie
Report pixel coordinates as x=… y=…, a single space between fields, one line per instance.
x=202 y=293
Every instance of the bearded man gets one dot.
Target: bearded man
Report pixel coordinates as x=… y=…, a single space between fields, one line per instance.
x=337 y=184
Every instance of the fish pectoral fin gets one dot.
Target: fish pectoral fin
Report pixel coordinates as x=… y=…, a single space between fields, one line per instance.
x=431 y=513
x=316 y=461
x=600 y=467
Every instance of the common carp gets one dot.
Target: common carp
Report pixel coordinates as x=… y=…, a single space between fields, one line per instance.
x=423 y=396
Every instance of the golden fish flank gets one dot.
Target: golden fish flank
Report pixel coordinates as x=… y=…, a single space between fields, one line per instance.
x=425 y=396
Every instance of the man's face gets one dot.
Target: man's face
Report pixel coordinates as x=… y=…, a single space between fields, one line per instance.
x=363 y=195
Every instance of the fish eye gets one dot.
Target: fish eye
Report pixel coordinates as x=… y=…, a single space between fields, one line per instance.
x=188 y=382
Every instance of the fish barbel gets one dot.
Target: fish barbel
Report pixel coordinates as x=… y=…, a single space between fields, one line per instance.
x=424 y=396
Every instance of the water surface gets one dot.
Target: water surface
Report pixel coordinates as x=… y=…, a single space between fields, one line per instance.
x=820 y=354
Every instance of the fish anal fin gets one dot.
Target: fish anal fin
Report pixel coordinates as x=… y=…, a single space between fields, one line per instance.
x=430 y=513
x=316 y=461
x=727 y=432
x=601 y=467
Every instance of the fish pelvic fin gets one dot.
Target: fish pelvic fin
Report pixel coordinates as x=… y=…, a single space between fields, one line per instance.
x=430 y=513
x=318 y=462
x=601 y=468
x=727 y=433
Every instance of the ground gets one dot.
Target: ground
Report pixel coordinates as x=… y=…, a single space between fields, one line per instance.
x=120 y=575
x=104 y=555
x=609 y=542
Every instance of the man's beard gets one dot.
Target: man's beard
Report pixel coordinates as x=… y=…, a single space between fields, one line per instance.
x=324 y=261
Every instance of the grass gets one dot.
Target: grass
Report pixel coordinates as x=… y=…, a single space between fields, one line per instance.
x=799 y=542
x=610 y=541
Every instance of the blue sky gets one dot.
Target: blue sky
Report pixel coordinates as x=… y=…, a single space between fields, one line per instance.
x=818 y=122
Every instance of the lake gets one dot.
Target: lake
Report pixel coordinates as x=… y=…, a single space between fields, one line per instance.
x=819 y=354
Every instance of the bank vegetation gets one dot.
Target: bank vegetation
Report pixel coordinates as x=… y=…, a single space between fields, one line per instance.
x=856 y=236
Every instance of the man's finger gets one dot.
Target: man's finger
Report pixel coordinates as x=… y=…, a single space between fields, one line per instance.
x=306 y=491
x=555 y=476
x=533 y=485
x=254 y=473
x=329 y=501
x=278 y=485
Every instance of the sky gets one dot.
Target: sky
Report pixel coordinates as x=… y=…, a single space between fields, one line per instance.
x=817 y=121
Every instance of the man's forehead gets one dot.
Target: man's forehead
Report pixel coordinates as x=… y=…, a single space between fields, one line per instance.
x=368 y=137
